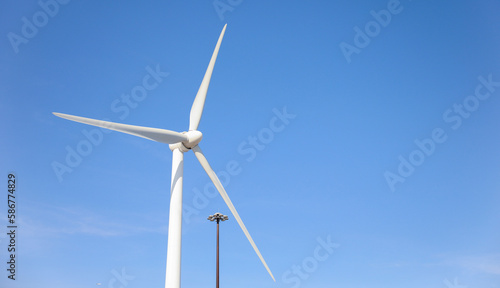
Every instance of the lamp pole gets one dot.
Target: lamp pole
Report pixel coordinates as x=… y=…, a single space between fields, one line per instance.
x=217 y=217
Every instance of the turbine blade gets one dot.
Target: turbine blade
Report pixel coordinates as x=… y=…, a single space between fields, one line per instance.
x=199 y=100
x=199 y=154
x=155 y=134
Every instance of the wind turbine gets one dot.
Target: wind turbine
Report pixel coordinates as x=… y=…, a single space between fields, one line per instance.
x=179 y=143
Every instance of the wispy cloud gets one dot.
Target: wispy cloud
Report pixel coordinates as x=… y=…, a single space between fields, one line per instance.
x=489 y=264
x=477 y=264
x=59 y=221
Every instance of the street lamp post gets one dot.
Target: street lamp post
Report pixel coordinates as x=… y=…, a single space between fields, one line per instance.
x=217 y=217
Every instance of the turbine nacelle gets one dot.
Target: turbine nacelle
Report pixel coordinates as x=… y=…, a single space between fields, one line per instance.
x=194 y=137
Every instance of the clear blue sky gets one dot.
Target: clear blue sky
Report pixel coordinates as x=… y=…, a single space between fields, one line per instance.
x=387 y=174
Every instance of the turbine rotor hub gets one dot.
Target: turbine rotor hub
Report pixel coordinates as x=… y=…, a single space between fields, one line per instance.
x=194 y=137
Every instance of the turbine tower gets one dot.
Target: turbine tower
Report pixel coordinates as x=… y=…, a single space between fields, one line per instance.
x=179 y=143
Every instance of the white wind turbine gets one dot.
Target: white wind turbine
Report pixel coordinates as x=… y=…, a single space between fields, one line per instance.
x=179 y=143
